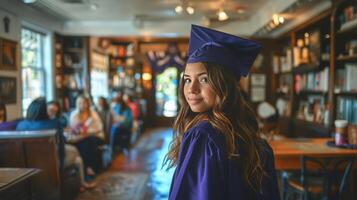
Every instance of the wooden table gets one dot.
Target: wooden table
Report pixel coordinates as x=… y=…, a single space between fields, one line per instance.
x=15 y=184
x=287 y=152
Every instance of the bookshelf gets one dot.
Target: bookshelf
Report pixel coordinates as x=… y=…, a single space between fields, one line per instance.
x=324 y=87
x=282 y=82
x=343 y=91
x=125 y=69
x=306 y=54
x=71 y=69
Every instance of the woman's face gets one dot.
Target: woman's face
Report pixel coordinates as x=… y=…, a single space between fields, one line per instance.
x=199 y=94
x=83 y=105
x=52 y=110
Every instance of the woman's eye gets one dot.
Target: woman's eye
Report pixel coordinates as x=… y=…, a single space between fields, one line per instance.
x=186 y=80
x=204 y=80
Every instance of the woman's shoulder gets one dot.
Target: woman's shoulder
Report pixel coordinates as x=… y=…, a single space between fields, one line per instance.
x=36 y=124
x=204 y=130
x=201 y=128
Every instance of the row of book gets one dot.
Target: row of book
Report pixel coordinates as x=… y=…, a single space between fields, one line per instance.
x=347 y=109
x=312 y=81
x=345 y=79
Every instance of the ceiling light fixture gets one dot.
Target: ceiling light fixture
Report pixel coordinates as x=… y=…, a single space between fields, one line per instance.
x=222 y=16
x=190 y=10
x=276 y=19
x=281 y=20
x=29 y=1
x=240 y=11
x=94 y=6
x=178 y=9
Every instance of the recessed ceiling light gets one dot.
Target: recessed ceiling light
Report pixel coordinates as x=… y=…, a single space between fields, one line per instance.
x=281 y=20
x=178 y=9
x=29 y=1
x=276 y=19
x=190 y=10
x=94 y=6
x=222 y=15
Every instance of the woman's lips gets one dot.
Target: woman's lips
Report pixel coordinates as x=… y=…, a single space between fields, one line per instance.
x=194 y=101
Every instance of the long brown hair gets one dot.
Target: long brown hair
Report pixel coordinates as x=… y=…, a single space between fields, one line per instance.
x=231 y=116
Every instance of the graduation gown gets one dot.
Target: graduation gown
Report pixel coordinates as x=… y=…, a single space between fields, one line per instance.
x=204 y=172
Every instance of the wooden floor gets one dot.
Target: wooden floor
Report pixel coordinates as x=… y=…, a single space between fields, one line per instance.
x=137 y=174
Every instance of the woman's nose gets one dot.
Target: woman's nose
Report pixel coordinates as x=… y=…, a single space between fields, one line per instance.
x=194 y=87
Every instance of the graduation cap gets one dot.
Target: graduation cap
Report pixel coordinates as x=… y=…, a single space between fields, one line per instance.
x=229 y=51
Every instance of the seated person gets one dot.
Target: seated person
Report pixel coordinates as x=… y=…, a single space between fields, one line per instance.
x=122 y=125
x=5 y=125
x=38 y=119
x=88 y=128
x=55 y=112
x=105 y=116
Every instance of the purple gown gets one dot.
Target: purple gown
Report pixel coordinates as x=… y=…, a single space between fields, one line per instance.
x=204 y=172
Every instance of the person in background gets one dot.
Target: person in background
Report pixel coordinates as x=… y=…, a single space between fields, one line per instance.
x=55 y=112
x=115 y=101
x=216 y=147
x=85 y=123
x=37 y=119
x=135 y=112
x=105 y=116
x=132 y=105
x=4 y=124
x=122 y=124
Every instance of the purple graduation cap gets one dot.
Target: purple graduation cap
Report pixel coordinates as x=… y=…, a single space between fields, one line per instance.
x=235 y=53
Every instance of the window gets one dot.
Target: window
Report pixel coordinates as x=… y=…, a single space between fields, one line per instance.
x=166 y=93
x=33 y=70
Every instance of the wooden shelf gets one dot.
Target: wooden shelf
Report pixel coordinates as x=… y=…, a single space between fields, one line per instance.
x=348 y=27
x=69 y=70
x=352 y=58
x=312 y=92
x=305 y=68
x=73 y=50
x=121 y=57
x=283 y=73
x=347 y=94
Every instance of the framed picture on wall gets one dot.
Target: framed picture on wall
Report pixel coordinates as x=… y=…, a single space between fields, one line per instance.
x=8 y=89
x=8 y=51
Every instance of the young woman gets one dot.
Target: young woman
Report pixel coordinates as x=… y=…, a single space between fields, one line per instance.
x=216 y=147
x=86 y=124
x=122 y=126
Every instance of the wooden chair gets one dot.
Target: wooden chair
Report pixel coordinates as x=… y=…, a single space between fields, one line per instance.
x=320 y=178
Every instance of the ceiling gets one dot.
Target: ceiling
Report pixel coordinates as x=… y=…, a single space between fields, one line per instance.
x=129 y=9
x=158 y=17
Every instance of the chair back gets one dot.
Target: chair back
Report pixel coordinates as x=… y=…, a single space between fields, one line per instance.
x=332 y=171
